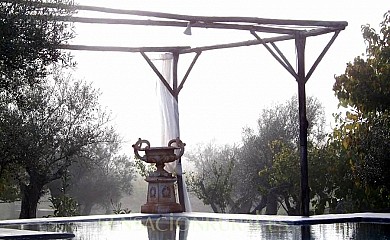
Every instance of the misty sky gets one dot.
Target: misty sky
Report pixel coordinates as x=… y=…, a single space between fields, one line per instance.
x=227 y=89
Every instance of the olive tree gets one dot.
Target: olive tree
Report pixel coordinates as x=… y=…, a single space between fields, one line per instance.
x=212 y=180
x=262 y=172
x=61 y=119
x=101 y=178
x=30 y=36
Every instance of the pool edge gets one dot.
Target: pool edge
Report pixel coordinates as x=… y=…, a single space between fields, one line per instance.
x=272 y=219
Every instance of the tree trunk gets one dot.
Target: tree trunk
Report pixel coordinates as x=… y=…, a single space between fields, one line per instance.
x=272 y=205
x=242 y=205
x=210 y=200
x=30 y=196
x=261 y=205
x=214 y=207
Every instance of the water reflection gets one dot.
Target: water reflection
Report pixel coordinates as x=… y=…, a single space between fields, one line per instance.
x=182 y=228
x=305 y=232
x=165 y=228
x=371 y=231
x=276 y=231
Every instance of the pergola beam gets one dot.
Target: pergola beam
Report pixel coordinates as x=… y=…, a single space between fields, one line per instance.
x=236 y=44
x=163 y=80
x=279 y=38
x=310 y=33
x=188 y=49
x=284 y=62
x=288 y=64
x=197 y=24
x=214 y=19
x=191 y=18
x=121 y=49
x=180 y=49
x=188 y=71
x=322 y=54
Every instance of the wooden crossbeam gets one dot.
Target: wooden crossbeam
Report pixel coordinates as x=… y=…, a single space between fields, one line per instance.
x=322 y=54
x=281 y=59
x=281 y=23
x=154 y=68
x=188 y=71
x=207 y=19
x=166 y=23
x=121 y=49
x=215 y=19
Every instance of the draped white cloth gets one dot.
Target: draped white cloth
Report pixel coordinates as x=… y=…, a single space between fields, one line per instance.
x=169 y=118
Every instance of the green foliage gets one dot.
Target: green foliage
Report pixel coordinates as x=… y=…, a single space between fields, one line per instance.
x=47 y=120
x=30 y=35
x=281 y=176
x=29 y=41
x=364 y=145
x=102 y=177
x=144 y=169
x=326 y=174
x=51 y=125
x=117 y=208
x=365 y=85
x=9 y=188
x=64 y=206
x=263 y=172
x=213 y=182
x=363 y=133
x=62 y=117
x=278 y=177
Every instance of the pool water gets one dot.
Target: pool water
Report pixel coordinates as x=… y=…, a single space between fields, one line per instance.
x=187 y=228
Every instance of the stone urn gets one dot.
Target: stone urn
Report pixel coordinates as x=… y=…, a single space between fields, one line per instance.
x=161 y=197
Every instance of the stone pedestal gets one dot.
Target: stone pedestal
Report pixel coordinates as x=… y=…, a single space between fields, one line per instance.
x=161 y=196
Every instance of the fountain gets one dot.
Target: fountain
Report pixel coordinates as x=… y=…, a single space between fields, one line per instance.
x=161 y=197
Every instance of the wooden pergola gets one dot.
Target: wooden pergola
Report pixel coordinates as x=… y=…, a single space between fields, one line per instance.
x=280 y=30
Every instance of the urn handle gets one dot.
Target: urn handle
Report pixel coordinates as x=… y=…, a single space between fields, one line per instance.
x=179 y=144
x=138 y=147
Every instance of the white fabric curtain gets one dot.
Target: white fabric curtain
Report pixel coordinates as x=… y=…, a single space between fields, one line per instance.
x=169 y=118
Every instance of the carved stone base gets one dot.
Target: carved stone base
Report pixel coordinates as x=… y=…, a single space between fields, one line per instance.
x=161 y=208
x=161 y=196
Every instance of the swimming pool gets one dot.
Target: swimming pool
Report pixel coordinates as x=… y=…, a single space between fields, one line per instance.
x=213 y=226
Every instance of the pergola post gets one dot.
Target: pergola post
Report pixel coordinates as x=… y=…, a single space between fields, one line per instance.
x=176 y=96
x=300 y=42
